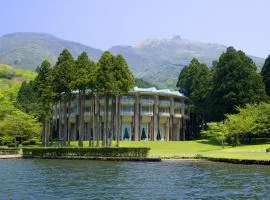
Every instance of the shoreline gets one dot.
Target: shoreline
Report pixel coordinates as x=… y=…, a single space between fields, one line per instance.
x=138 y=159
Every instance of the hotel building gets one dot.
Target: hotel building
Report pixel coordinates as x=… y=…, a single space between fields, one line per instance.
x=142 y=114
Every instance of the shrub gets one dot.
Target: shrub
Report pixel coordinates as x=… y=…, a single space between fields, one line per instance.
x=268 y=150
x=32 y=142
x=25 y=143
x=11 y=145
x=88 y=152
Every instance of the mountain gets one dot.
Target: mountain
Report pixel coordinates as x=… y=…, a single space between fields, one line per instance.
x=160 y=61
x=157 y=61
x=27 y=50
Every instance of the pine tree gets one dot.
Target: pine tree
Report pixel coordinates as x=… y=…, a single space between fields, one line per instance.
x=43 y=83
x=235 y=83
x=62 y=76
x=266 y=75
x=82 y=80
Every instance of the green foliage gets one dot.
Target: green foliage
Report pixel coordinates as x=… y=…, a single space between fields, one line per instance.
x=251 y=121
x=235 y=83
x=266 y=75
x=84 y=75
x=194 y=81
x=87 y=152
x=139 y=82
x=43 y=85
x=216 y=131
x=15 y=123
x=6 y=71
x=19 y=125
x=62 y=73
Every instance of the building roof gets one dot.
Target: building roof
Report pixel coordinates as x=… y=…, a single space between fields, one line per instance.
x=151 y=90
x=156 y=91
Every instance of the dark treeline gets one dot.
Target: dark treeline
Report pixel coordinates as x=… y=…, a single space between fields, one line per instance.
x=110 y=76
x=231 y=84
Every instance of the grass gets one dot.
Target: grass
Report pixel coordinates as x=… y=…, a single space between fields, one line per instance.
x=195 y=148
x=173 y=149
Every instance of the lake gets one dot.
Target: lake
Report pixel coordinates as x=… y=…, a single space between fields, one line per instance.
x=83 y=179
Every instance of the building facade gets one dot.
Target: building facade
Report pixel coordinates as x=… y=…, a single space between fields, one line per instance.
x=143 y=114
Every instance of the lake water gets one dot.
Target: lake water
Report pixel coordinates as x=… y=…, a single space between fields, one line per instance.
x=82 y=179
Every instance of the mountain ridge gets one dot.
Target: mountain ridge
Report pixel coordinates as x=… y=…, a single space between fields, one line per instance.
x=155 y=60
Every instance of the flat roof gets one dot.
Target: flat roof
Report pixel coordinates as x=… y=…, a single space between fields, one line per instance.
x=156 y=91
x=151 y=90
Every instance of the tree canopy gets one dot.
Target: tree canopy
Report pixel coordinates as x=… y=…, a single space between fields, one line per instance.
x=235 y=83
x=266 y=75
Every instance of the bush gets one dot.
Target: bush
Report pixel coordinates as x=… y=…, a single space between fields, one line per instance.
x=11 y=145
x=32 y=142
x=268 y=150
x=25 y=143
x=88 y=152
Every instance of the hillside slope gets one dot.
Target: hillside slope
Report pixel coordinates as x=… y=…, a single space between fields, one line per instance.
x=27 y=50
x=160 y=61
x=12 y=76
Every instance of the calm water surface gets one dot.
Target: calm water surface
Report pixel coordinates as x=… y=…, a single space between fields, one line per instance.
x=74 y=179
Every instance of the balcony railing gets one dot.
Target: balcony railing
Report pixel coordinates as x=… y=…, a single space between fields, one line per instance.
x=164 y=103
x=147 y=101
x=127 y=101
x=146 y=113
x=178 y=104
x=127 y=113
x=164 y=114
x=104 y=113
x=87 y=113
x=177 y=115
x=73 y=114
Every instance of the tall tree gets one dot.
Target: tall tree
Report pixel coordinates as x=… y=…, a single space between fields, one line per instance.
x=113 y=78
x=266 y=75
x=122 y=83
x=43 y=83
x=235 y=83
x=105 y=82
x=194 y=81
x=62 y=76
x=84 y=78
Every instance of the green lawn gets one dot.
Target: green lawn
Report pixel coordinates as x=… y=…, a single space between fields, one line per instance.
x=190 y=149
x=174 y=148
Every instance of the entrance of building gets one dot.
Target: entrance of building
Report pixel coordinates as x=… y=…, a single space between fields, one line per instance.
x=144 y=132
x=126 y=131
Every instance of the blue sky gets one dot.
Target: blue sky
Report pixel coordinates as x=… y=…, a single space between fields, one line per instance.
x=243 y=24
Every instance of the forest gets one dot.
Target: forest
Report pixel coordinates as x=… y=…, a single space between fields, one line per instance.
x=229 y=102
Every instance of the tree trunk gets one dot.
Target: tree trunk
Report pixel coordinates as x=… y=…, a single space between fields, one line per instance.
x=43 y=132
x=98 y=120
x=93 y=128
x=105 y=134
x=117 y=119
x=65 y=122
x=81 y=118
x=60 y=133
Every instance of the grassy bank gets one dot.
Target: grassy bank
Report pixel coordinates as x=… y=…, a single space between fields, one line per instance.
x=196 y=148
x=190 y=149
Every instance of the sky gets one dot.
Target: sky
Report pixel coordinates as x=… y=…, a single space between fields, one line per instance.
x=102 y=24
